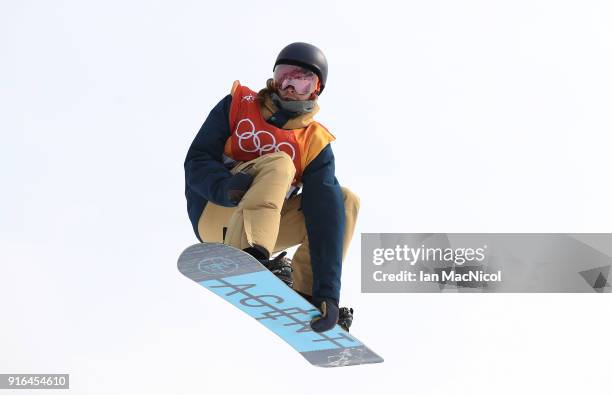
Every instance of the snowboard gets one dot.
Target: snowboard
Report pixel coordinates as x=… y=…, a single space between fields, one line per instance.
x=243 y=281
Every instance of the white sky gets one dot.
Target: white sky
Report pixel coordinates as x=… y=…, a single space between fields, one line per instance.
x=450 y=116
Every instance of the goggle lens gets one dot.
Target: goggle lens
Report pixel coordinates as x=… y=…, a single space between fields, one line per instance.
x=302 y=80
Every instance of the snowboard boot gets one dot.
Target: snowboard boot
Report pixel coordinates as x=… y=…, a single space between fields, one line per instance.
x=346 y=318
x=280 y=266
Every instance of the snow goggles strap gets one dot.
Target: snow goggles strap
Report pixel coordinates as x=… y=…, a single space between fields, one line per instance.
x=303 y=81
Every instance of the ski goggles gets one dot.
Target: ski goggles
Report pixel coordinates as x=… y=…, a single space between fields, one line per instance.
x=302 y=80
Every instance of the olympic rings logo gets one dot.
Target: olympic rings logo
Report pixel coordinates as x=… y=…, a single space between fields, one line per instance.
x=260 y=141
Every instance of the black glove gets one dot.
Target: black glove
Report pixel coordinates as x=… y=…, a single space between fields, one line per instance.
x=329 y=314
x=238 y=185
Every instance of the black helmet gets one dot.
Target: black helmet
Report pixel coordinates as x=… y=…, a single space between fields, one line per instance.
x=307 y=56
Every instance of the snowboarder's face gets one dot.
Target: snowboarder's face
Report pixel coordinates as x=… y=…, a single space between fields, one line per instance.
x=295 y=83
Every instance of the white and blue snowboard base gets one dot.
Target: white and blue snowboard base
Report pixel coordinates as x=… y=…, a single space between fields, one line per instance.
x=244 y=282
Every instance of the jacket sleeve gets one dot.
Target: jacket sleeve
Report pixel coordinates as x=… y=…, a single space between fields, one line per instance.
x=323 y=208
x=204 y=170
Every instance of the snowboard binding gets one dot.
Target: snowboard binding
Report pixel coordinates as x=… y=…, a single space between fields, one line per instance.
x=280 y=266
x=345 y=320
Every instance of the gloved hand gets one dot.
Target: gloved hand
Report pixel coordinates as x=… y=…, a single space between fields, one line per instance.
x=329 y=314
x=238 y=185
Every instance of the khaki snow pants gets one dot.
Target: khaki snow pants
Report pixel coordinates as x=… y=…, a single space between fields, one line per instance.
x=266 y=218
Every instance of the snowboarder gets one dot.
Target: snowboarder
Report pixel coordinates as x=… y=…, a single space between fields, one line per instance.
x=244 y=171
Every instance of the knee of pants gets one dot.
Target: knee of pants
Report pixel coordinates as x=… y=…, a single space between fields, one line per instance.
x=281 y=164
x=351 y=200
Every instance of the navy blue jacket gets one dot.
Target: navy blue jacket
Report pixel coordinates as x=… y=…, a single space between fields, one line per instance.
x=206 y=179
